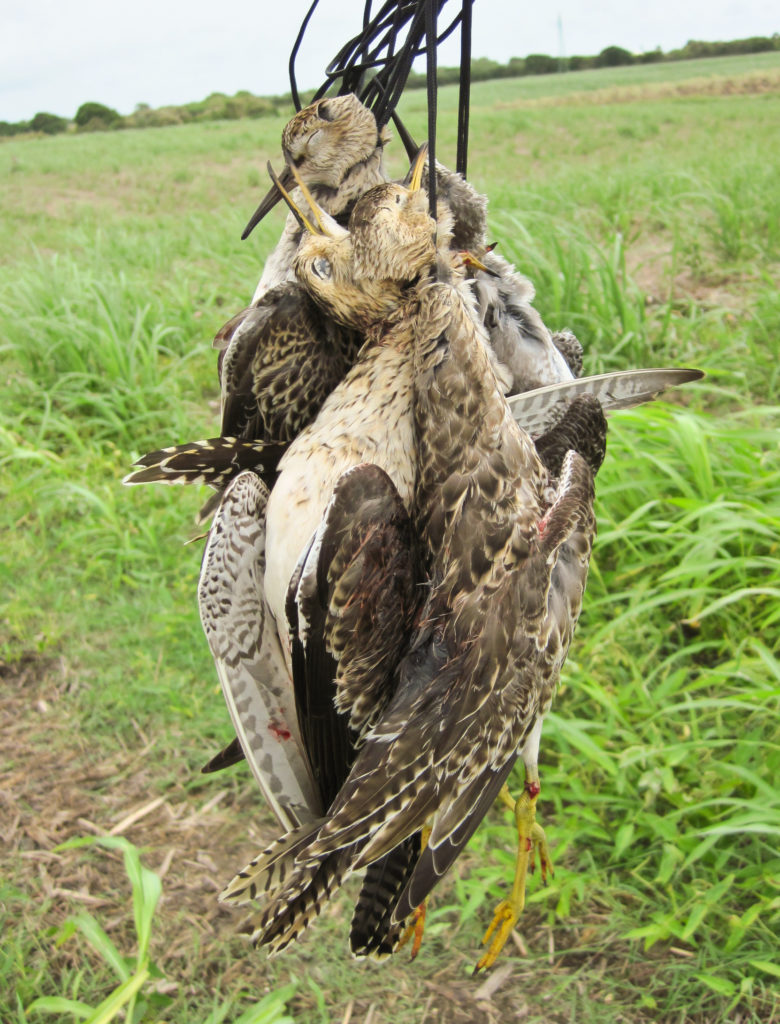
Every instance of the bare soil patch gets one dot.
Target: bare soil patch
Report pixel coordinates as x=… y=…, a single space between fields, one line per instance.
x=650 y=263
x=195 y=834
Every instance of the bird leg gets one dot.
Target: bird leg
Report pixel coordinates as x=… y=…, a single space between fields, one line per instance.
x=531 y=842
x=416 y=927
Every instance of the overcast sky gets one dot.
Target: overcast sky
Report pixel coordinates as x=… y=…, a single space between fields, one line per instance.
x=54 y=56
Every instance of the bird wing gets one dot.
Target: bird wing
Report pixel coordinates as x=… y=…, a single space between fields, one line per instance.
x=245 y=646
x=367 y=566
x=283 y=360
x=349 y=607
x=539 y=410
x=214 y=461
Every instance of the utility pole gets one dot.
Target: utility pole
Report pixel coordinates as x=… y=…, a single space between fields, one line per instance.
x=561 y=52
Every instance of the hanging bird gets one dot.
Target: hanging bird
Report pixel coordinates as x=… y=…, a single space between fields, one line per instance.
x=337 y=148
x=499 y=538
x=322 y=263
x=363 y=561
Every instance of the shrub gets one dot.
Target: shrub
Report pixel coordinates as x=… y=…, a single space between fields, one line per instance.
x=614 y=56
x=8 y=128
x=540 y=64
x=51 y=124
x=95 y=117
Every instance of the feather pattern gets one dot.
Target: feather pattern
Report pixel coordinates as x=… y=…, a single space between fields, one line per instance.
x=372 y=931
x=246 y=651
x=283 y=358
x=214 y=461
x=506 y=533
x=486 y=657
x=540 y=409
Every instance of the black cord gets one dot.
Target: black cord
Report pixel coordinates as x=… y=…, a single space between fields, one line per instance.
x=464 y=90
x=296 y=46
x=375 y=64
x=430 y=32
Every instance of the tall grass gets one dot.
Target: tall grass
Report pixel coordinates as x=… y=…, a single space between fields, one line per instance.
x=652 y=230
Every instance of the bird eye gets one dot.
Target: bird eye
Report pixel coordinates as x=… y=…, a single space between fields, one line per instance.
x=321 y=268
x=398 y=200
x=325 y=112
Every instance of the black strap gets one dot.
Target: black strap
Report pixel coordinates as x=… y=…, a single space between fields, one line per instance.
x=294 y=53
x=375 y=64
x=464 y=89
x=430 y=33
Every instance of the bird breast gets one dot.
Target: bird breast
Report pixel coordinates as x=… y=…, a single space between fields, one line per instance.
x=368 y=418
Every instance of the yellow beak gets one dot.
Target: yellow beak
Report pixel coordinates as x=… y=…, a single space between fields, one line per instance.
x=416 y=170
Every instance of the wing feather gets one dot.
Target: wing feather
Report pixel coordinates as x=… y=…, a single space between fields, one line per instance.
x=539 y=410
x=246 y=651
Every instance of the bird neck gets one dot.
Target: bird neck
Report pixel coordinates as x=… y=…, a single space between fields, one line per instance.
x=358 y=179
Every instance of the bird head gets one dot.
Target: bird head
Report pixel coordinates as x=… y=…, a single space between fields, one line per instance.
x=393 y=236
x=329 y=137
x=324 y=264
x=325 y=142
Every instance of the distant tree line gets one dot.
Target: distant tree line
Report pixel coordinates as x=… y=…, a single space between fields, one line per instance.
x=92 y=117
x=610 y=57
x=96 y=117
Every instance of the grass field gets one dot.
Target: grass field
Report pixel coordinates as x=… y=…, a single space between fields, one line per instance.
x=650 y=224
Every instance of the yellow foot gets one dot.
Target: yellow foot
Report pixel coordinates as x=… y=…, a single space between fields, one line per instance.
x=504 y=920
x=531 y=843
x=416 y=929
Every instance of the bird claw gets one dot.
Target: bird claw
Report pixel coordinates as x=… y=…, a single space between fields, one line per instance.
x=504 y=920
x=416 y=929
x=532 y=844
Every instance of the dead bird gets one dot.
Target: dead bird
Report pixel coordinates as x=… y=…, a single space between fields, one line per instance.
x=498 y=537
x=337 y=149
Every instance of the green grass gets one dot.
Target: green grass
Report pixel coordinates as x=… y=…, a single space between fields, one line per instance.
x=652 y=229
x=519 y=91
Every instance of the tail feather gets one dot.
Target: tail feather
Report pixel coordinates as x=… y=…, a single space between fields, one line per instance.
x=271 y=869
x=373 y=931
x=299 y=903
x=214 y=461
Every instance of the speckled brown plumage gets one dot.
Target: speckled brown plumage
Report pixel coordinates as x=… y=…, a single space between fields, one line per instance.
x=285 y=358
x=484 y=659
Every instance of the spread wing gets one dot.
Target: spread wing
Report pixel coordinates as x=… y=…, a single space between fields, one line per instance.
x=539 y=410
x=243 y=641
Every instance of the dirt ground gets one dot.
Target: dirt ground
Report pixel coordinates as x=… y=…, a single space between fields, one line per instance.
x=194 y=834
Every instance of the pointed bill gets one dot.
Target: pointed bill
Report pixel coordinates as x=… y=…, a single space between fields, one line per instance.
x=326 y=225
x=539 y=410
x=294 y=208
x=413 y=179
x=269 y=201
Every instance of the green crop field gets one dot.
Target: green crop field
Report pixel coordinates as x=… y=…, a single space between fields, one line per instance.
x=648 y=217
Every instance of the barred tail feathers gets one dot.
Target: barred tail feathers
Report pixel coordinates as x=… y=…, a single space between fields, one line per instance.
x=214 y=461
x=299 y=903
x=271 y=868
